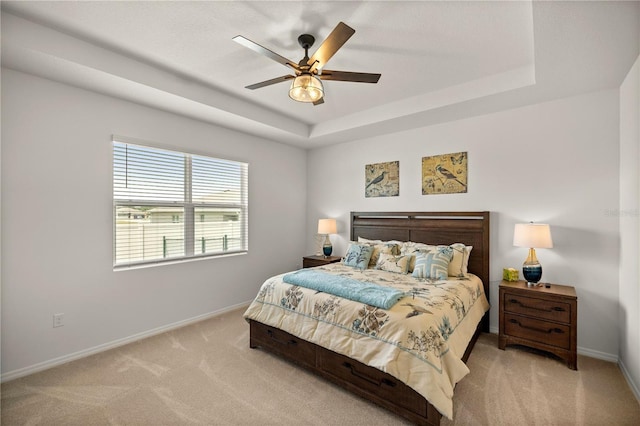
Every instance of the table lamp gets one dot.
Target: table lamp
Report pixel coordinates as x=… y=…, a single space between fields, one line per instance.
x=533 y=236
x=326 y=227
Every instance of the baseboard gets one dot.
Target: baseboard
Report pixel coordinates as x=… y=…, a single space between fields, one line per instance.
x=632 y=384
x=597 y=354
x=605 y=357
x=25 y=371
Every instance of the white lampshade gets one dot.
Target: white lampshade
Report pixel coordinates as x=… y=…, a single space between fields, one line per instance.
x=306 y=88
x=327 y=226
x=532 y=235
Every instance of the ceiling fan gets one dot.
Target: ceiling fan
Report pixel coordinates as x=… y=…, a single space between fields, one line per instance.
x=306 y=85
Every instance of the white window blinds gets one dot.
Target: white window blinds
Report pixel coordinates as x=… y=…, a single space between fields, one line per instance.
x=170 y=205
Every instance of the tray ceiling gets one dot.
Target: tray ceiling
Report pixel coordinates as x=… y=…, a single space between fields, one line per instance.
x=439 y=61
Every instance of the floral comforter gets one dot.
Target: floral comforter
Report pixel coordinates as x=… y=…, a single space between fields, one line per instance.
x=420 y=340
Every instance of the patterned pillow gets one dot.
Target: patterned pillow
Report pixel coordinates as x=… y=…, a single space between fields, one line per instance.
x=378 y=249
x=433 y=264
x=391 y=263
x=409 y=248
x=368 y=241
x=358 y=256
x=460 y=260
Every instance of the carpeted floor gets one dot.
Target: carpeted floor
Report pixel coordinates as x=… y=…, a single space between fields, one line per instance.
x=205 y=373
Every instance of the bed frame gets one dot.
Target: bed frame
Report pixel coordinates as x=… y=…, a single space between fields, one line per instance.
x=470 y=228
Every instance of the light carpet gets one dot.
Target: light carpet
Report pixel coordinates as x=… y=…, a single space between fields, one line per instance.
x=206 y=373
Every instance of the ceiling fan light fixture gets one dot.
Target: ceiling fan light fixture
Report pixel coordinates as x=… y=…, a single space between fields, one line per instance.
x=306 y=88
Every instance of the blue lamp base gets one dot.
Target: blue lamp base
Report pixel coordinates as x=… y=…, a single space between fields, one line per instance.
x=532 y=274
x=531 y=269
x=327 y=248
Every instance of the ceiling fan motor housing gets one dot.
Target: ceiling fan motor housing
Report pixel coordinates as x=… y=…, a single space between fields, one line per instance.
x=306 y=41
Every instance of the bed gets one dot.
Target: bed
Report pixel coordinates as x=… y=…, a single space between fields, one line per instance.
x=407 y=376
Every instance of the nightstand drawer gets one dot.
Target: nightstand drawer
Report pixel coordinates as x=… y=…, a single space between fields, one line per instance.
x=545 y=332
x=544 y=309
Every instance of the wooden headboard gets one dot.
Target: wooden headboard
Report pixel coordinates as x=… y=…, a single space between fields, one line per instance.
x=469 y=228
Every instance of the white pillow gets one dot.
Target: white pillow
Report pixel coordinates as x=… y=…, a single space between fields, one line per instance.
x=367 y=241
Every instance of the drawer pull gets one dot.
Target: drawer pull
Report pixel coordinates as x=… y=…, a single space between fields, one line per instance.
x=377 y=382
x=289 y=342
x=554 y=309
x=541 y=330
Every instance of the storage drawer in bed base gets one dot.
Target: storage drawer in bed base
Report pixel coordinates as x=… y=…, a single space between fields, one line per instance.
x=360 y=379
x=371 y=381
x=283 y=344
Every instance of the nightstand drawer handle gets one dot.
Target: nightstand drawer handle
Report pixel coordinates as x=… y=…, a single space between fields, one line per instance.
x=541 y=330
x=554 y=309
x=290 y=342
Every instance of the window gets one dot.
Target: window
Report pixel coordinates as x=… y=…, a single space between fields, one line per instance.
x=171 y=205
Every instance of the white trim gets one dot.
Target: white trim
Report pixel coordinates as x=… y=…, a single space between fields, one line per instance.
x=25 y=371
x=632 y=385
x=132 y=266
x=597 y=354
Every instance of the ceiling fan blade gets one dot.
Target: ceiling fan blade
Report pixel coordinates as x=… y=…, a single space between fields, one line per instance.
x=340 y=34
x=319 y=101
x=270 y=82
x=357 y=77
x=266 y=52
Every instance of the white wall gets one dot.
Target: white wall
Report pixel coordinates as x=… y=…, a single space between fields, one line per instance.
x=629 y=229
x=555 y=162
x=57 y=223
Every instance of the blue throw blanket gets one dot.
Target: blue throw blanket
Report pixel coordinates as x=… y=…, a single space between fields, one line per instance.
x=359 y=291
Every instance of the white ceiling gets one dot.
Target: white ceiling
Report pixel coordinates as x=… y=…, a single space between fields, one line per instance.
x=439 y=61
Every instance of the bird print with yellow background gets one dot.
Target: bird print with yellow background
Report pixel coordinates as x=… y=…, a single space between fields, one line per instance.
x=444 y=174
x=382 y=179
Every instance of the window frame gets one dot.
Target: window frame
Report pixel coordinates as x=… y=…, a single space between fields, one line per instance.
x=188 y=205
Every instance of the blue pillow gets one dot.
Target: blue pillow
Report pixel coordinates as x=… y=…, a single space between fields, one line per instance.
x=358 y=256
x=433 y=264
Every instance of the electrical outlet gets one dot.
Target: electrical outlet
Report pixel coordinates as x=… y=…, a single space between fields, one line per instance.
x=58 y=320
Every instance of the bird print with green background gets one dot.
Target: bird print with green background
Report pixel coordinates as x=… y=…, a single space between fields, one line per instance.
x=444 y=174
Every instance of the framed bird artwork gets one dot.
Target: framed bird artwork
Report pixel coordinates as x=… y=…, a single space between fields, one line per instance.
x=444 y=174
x=382 y=179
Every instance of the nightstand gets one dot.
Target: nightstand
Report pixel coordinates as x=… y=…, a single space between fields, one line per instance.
x=311 y=261
x=540 y=317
